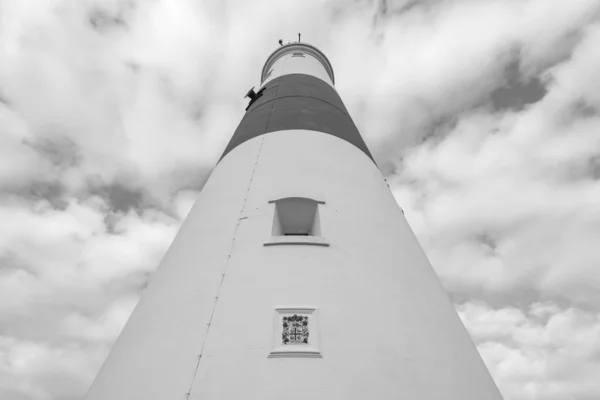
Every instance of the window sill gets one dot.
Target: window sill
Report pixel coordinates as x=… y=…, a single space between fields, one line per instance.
x=295 y=354
x=305 y=240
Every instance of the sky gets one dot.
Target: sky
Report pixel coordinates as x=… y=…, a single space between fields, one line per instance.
x=483 y=115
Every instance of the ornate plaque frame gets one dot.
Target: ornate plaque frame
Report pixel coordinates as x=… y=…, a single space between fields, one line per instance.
x=296 y=333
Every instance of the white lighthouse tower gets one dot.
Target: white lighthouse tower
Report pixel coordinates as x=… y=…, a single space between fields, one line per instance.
x=295 y=275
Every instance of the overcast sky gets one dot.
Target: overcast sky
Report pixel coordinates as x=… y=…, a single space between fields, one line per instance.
x=482 y=114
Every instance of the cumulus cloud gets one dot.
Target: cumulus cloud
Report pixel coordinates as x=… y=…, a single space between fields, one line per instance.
x=543 y=352
x=511 y=198
x=69 y=279
x=483 y=116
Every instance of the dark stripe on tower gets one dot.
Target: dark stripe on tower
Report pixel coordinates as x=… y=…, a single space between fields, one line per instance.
x=297 y=101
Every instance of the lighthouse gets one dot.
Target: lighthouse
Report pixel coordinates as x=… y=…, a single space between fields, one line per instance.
x=295 y=275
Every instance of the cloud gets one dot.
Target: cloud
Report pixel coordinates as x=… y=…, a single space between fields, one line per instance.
x=545 y=352
x=439 y=59
x=67 y=285
x=72 y=89
x=525 y=181
x=482 y=115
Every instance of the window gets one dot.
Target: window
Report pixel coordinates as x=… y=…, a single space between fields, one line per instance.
x=297 y=54
x=268 y=74
x=296 y=220
x=296 y=216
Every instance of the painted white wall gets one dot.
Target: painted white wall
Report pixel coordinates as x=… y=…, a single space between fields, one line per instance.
x=386 y=327
x=288 y=64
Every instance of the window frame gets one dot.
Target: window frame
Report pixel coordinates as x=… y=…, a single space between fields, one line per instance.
x=281 y=235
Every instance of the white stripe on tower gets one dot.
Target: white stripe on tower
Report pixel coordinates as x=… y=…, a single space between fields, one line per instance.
x=297 y=58
x=295 y=276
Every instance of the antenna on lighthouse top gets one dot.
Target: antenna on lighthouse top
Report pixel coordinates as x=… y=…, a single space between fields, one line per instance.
x=280 y=42
x=298 y=38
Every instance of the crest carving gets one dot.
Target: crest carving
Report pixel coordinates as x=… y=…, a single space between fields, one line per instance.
x=295 y=329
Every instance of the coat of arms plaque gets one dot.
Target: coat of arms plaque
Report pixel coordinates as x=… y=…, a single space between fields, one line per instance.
x=295 y=329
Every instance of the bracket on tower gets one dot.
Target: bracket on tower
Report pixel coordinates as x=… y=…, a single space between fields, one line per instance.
x=252 y=95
